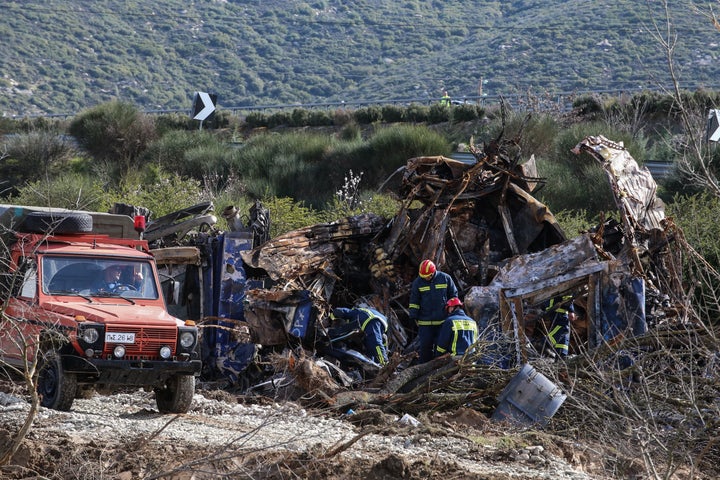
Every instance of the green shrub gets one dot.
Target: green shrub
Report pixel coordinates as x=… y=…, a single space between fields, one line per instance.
x=581 y=188
x=438 y=113
x=279 y=119
x=256 y=120
x=71 y=191
x=287 y=214
x=697 y=216
x=173 y=121
x=286 y=165
x=578 y=182
x=588 y=106
x=370 y=202
x=466 y=112
x=319 y=118
x=299 y=117
x=367 y=115
x=34 y=155
x=417 y=113
x=114 y=131
x=392 y=113
x=170 y=150
x=350 y=132
x=216 y=158
x=535 y=134
x=161 y=191
x=390 y=148
x=574 y=222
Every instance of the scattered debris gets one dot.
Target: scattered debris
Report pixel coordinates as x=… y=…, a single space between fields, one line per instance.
x=257 y=297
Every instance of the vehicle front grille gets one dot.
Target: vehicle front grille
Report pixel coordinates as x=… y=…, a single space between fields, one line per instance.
x=148 y=341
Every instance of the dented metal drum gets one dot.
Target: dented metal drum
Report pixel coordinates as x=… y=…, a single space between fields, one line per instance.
x=529 y=399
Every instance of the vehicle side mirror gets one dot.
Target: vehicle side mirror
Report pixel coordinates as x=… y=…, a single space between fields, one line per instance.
x=171 y=290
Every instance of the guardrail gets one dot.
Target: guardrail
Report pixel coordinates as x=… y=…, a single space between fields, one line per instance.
x=659 y=170
x=558 y=101
x=530 y=101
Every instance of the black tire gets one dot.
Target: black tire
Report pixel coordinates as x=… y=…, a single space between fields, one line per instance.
x=55 y=386
x=177 y=395
x=57 y=223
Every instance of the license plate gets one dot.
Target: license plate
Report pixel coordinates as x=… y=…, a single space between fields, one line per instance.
x=118 y=337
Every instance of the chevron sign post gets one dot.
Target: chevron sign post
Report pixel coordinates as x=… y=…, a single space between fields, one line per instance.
x=713 y=126
x=203 y=106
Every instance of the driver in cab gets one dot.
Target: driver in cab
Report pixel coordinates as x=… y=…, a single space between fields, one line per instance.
x=112 y=280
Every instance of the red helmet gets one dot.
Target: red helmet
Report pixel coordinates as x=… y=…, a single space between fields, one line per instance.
x=452 y=303
x=427 y=269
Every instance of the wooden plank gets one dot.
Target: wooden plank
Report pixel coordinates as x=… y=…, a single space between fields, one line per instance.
x=560 y=282
x=508 y=226
x=593 y=310
x=519 y=327
x=176 y=256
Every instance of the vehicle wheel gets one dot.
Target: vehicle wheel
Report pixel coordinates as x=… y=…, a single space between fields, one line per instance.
x=177 y=394
x=57 y=223
x=55 y=386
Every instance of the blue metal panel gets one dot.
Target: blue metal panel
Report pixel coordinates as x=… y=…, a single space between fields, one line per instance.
x=232 y=275
x=302 y=316
x=228 y=287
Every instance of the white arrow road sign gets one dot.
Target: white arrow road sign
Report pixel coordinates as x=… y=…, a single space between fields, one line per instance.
x=713 y=126
x=208 y=107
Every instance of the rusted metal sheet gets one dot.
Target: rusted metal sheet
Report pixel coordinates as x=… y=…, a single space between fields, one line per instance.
x=634 y=188
x=543 y=268
x=309 y=250
x=177 y=256
x=275 y=315
x=527 y=280
x=468 y=218
x=480 y=223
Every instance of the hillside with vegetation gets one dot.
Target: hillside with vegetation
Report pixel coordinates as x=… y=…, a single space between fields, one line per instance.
x=62 y=57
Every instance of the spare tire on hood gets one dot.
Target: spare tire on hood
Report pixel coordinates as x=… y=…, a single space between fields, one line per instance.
x=57 y=223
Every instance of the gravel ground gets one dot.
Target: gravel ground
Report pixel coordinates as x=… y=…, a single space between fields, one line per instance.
x=123 y=436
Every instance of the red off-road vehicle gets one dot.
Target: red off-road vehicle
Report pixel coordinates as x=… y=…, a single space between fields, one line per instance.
x=90 y=309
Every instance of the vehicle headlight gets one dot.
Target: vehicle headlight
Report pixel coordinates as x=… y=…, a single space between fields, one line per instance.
x=165 y=352
x=90 y=335
x=187 y=339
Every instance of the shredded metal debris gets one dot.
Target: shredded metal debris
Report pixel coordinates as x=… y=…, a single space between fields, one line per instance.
x=478 y=222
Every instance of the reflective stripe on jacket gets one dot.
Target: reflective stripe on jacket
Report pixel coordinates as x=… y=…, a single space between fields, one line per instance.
x=428 y=298
x=458 y=333
x=373 y=324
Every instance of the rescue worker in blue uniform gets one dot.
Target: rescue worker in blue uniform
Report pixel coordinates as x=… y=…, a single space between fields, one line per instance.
x=374 y=326
x=458 y=332
x=560 y=311
x=429 y=293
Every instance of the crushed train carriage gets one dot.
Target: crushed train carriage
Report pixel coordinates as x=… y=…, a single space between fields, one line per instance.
x=479 y=222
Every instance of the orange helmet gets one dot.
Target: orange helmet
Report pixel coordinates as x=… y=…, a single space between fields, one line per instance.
x=452 y=303
x=427 y=269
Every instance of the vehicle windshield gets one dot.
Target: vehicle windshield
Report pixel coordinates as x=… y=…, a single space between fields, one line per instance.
x=98 y=277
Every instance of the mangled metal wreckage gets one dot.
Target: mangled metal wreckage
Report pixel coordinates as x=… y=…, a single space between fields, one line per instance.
x=480 y=223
